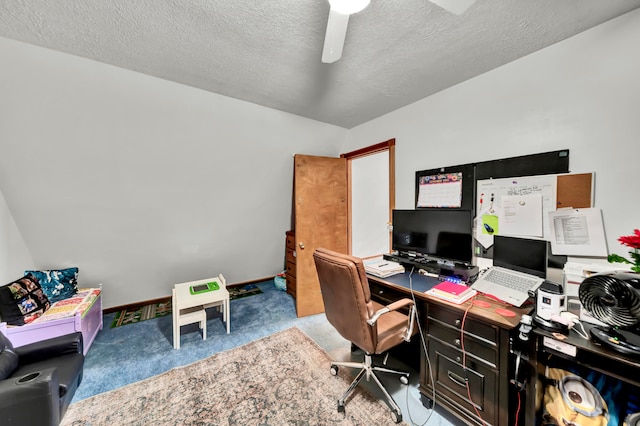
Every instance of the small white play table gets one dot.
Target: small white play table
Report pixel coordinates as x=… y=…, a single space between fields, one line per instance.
x=189 y=308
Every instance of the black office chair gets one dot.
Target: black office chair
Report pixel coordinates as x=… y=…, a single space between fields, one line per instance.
x=372 y=327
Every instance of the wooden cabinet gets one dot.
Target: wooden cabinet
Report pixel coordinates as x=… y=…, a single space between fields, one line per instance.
x=469 y=361
x=290 y=266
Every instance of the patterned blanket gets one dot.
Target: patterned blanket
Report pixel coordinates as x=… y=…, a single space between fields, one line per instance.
x=80 y=302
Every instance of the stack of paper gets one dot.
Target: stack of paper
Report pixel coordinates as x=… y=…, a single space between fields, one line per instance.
x=452 y=292
x=575 y=273
x=383 y=268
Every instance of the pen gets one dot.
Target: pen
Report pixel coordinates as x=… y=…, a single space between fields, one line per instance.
x=384 y=264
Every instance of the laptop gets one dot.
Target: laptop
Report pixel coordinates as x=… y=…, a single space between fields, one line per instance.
x=519 y=268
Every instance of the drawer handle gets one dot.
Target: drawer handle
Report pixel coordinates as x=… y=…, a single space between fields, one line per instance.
x=457 y=379
x=457 y=342
x=458 y=359
x=458 y=323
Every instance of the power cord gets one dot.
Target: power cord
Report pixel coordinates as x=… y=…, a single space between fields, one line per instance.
x=582 y=333
x=464 y=359
x=519 y=385
x=424 y=348
x=518 y=409
x=570 y=320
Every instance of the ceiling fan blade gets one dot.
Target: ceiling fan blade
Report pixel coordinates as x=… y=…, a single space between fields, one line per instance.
x=334 y=37
x=457 y=7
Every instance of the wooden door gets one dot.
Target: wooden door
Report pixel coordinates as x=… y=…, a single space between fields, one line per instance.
x=320 y=203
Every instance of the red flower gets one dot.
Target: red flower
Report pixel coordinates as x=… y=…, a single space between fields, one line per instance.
x=632 y=241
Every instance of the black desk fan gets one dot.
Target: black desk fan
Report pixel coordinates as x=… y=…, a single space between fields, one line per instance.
x=614 y=299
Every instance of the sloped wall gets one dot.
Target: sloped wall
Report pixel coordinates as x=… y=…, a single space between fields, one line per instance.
x=14 y=254
x=141 y=182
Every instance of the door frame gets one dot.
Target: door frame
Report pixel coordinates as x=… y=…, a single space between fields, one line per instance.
x=390 y=146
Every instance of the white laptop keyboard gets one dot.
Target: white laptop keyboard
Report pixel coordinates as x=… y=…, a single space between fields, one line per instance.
x=513 y=281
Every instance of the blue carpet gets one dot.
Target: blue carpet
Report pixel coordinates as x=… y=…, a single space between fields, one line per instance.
x=123 y=355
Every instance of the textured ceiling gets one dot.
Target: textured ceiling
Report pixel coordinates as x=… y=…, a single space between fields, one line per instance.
x=268 y=51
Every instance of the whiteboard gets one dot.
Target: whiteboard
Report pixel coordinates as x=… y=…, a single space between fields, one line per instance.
x=522 y=206
x=517 y=206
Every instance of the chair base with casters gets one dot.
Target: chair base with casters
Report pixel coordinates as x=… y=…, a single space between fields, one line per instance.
x=367 y=324
x=368 y=371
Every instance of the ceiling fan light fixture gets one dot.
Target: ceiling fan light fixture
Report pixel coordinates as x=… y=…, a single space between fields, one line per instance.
x=347 y=7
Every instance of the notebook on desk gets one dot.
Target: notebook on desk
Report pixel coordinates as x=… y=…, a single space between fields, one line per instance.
x=519 y=268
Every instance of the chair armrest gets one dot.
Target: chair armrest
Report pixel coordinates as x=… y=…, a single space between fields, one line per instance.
x=61 y=345
x=31 y=399
x=394 y=306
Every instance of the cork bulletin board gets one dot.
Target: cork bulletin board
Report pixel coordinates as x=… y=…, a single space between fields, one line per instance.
x=575 y=191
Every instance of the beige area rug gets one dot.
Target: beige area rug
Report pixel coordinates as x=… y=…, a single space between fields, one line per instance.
x=282 y=379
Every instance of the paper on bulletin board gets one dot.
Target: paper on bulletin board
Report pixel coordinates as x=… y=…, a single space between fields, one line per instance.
x=522 y=215
x=577 y=232
x=442 y=190
x=495 y=202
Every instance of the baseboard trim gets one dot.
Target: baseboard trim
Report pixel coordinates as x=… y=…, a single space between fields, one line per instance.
x=167 y=298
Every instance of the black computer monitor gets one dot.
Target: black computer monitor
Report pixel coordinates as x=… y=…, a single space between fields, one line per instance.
x=442 y=233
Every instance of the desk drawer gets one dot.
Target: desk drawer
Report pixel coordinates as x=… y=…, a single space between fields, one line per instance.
x=481 y=330
x=385 y=295
x=449 y=376
x=480 y=349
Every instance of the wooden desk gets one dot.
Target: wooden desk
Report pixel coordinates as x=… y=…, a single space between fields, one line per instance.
x=486 y=338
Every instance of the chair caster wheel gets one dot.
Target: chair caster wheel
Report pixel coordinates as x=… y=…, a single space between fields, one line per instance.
x=334 y=370
x=396 y=416
x=404 y=380
x=340 y=407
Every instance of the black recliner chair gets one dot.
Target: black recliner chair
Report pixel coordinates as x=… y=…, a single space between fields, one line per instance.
x=38 y=381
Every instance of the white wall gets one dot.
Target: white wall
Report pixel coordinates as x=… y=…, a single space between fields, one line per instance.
x=582 y=94
x=141 y=182
x=15 y=257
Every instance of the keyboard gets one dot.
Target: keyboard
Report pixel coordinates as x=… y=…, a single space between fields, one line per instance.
x=507 y=285
x=505 y=279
